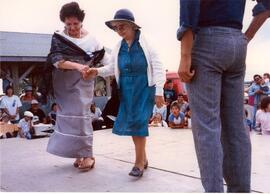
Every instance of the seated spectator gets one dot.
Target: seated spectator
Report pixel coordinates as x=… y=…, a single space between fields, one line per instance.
x=97 y=120
x=26 y=99
x=263 y=116
x=158 y=121
x=169 y=92
x=10 y=105
x=37 y=111
x=28 y=95
x=25 y=125
x=182 y=103
x=161 y=109
x=53 y=113
x=176 y=118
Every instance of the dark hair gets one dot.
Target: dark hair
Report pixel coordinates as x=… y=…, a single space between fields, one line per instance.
x=9 y=87
x=71 y=10
x=267 y=75
x=265 y=102
x=53 y=105
x=257 y=75
x=169 y=81
x=175 y=104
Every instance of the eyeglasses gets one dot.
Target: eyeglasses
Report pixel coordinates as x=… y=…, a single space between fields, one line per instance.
x=120 y=27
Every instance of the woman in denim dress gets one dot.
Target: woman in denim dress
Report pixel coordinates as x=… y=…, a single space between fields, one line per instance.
x=140 y=79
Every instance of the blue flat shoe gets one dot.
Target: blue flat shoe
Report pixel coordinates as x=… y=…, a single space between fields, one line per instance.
x=136 y=172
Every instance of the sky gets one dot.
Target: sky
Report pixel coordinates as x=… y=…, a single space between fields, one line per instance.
x=159 y=20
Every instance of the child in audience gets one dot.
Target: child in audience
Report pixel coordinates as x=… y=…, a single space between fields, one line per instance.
x=161 y=109
x=176 y=118
x=158 y=121
x=26 y=129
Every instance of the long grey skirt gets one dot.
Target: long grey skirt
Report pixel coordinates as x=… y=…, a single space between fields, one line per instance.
x=73 y=134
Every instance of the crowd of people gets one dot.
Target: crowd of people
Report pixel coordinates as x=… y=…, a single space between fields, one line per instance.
x=25 y=111
x=175 y=113
x=257 y=105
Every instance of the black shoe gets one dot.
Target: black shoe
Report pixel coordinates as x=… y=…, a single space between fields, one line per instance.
x=136 y=172
x=146 y=164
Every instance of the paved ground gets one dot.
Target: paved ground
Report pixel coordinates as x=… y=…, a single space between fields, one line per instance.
x=25 y=166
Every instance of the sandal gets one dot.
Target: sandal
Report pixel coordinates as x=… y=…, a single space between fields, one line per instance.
x=76 y=164
x=87 y=167
x=136 y=172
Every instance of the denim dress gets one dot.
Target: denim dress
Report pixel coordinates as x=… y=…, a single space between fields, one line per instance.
x=136 y=97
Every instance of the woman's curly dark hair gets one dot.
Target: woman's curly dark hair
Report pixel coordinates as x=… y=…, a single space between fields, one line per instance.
x=265 y=103
x=71 y=10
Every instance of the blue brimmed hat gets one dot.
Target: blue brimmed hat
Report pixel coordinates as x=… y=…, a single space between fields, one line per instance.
x=122 y=15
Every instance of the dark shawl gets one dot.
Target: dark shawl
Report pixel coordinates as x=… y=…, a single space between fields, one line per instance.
x=64 y=49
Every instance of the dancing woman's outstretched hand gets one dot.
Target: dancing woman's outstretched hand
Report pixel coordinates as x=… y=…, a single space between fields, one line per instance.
x=90 y=73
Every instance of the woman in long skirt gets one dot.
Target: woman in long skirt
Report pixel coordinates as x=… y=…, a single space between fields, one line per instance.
x=71 y=52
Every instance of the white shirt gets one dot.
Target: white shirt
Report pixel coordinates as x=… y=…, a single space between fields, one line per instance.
x=162 y=110
x=24 y=125
x=11 y=104
x=263 y=118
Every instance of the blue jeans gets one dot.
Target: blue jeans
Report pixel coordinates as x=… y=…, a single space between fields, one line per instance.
x=222 y=143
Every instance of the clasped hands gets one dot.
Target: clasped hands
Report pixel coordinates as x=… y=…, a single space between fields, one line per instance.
x=90 y=73
x=87 y=72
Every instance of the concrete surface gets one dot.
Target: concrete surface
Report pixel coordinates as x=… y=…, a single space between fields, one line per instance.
x=26 y=166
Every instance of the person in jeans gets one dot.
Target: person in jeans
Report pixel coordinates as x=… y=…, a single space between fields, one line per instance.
x=213 y=54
